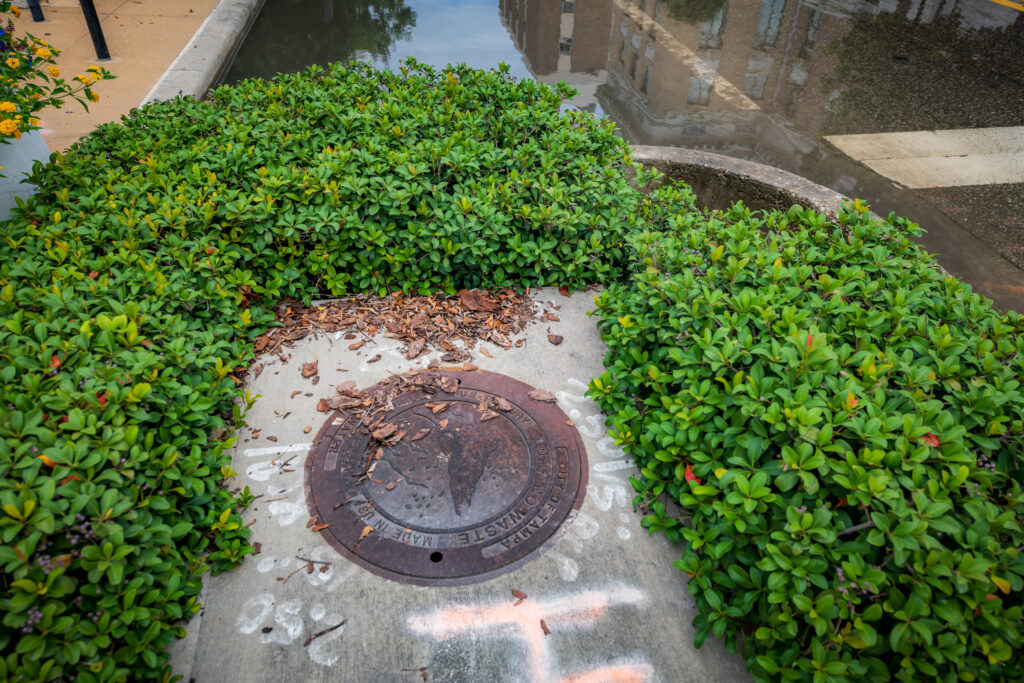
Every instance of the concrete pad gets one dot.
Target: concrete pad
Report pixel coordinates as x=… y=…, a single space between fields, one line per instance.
x=941 y=158
x=615 y=606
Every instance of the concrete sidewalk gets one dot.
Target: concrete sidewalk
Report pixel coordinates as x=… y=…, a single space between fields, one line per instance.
x=143 y=36
x=615 y=607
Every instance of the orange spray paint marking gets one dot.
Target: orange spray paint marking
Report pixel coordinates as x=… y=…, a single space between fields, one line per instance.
x=571 y=612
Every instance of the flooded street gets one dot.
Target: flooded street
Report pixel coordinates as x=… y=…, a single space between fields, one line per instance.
x=915 y=106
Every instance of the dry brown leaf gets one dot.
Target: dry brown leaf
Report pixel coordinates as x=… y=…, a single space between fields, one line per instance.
x=475 y=300
x=436 y=408
x=347 y=387
x=563 y=290
x=550 y=317
x=415 y=348
x=449 y=384
x=312 y=520
x=367 y=530
x=420 y=434
x=322 y=406
x=520 y=343
x=309 y=567
x=486 y=352
x=357 y=345
x=519 y=594
x=374 y=359
x=307 y=429
x=390 y=486
x=488 y=415
x=502 y=405
x=296 y=393
x=321 y=527
x=470 y=367
x=272 y=438
x=500 y=339
x=384 y=432
x=309 y=369
x=541 y=395
x=443 y=423
x=544 y=627
x=555 y=339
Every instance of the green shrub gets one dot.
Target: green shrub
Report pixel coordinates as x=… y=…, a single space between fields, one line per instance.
x=132 y=284
x=842 y=425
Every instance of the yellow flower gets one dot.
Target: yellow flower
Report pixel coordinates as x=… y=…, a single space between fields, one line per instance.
x=15 y=11
x=87 y=80
x=54 y=71
x=13 y=62
x=33 y=121
x=94 y=97
x=8 y=127
x=43 y=53
x=94 y=69
x=17 y=135
x=8 y=107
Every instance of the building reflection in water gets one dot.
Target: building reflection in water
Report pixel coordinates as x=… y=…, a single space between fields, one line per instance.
x=747 y=78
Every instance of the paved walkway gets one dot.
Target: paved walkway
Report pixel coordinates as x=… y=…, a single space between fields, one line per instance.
x=604 y=602
x=143 y=36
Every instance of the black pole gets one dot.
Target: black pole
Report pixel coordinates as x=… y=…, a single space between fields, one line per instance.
x=95 y=30
x=37 y=11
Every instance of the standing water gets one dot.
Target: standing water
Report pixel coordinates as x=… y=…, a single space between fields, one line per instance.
x=815 y=87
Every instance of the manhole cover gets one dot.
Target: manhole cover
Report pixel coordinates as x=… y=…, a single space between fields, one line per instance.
x=459 y=498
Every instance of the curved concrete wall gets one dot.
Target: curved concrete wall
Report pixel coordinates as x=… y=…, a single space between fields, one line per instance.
x=718 y=180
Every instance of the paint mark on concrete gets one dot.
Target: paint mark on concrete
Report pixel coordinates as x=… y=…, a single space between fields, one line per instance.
x=283 y=624
x=276 y=450
x=613 y=465
x=522 y=623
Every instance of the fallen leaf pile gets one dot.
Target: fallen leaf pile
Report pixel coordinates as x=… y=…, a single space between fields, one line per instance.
x=371 y=407
x=423 y=322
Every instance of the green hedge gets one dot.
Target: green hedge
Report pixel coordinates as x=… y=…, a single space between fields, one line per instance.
x=842 y=426
x=132 y=284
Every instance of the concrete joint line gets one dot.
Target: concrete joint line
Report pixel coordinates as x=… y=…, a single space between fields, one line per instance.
x=211 y=49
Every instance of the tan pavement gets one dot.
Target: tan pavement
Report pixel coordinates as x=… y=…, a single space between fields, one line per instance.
x=144 y=37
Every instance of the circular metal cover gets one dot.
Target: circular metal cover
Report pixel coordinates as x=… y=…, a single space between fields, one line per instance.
x=482 y=477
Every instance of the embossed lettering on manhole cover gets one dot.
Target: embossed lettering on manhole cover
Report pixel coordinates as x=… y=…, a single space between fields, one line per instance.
x=482 y=477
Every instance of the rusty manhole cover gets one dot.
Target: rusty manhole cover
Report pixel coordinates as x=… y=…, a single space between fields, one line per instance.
x=469 y=499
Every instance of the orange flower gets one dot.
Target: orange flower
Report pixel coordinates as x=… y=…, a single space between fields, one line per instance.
x=931 y=440
x=688 y=474
x=54 y=361
x=48 y=461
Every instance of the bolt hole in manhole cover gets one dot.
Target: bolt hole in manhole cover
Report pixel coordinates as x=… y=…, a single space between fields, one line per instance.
x=481 y=479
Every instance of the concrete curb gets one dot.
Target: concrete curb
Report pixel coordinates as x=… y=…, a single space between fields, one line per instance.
x=201 y=62
x=718 y=180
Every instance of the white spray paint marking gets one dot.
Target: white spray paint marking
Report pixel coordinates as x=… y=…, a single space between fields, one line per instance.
x=623 y=533
x=522 y=622
x=248 y=621
x=261 y=471
x=265 y=565
x=284 y=624
x=277 y=450
x=289 y=625
x=286 y=512
x=607 y=494
x=320 y=651
x=583 y=528
x=613 y=465
x=568 y=569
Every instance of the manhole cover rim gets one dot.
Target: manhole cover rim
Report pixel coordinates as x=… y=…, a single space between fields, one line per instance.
x=556 y=428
